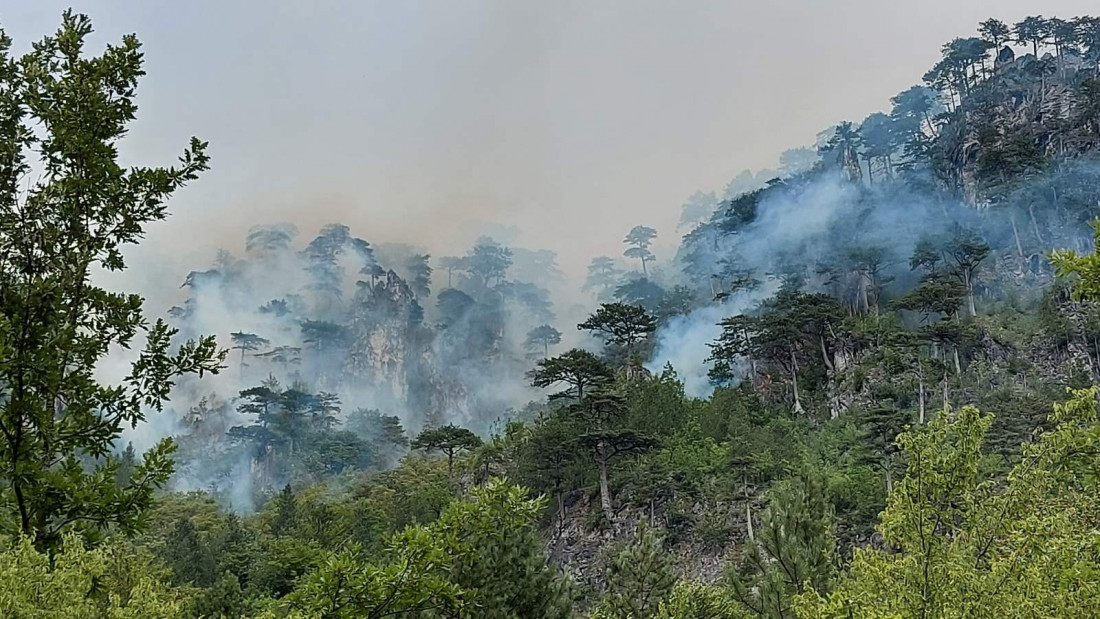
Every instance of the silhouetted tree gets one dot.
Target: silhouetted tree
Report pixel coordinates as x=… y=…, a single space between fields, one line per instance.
x=639 y=239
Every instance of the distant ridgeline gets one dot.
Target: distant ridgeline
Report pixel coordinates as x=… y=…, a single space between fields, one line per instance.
x=1003 y=144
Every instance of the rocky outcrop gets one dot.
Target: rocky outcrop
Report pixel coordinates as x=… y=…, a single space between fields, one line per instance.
x=384 y=318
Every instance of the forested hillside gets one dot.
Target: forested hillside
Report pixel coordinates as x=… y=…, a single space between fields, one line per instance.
x=864 y=386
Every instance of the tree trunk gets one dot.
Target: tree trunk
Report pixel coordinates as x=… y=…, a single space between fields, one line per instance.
x=946 y=404
x=1016 y=235
x=794 y=384
x=920 y=393
x=969 y=277
x=561 y=513
x=605 y=490
x=748 y=521
x=1034 y=222
x=955 y=353
x=825 y=355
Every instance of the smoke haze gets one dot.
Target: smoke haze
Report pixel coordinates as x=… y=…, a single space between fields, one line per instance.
x=426 y=122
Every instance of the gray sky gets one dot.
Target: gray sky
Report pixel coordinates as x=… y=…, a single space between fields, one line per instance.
x=423 y=121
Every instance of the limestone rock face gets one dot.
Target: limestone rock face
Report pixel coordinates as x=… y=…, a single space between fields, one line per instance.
x=392 y=353
x=385 y=332
x=1024 y=100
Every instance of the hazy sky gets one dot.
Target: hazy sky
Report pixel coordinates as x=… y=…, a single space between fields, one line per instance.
x=424 y=121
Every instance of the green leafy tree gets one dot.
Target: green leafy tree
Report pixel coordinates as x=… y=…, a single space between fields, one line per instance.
x=697 y=208
x=579 y=369
x=187 y=556
x=639 y=239
x=844 y=144
x=692 y=600
x=934 y=295
x=482 y=558
x=606 y=446
x=792 y=551
x=78 y=583
x=961 y=544
x=384 y=433
x=881 y=427
x=452 y=264
x=639 y=578
x=449 y=439
x=878 y=140
x=620 y=324
x=912 y=113
x=640 y=291
x=62 y=115
x=968 y=252
x=284 y=512
x=488 y=262
x=412 y=582
x=1084 y=269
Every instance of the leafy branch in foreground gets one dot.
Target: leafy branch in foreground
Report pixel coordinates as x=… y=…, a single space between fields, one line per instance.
x=62 y=114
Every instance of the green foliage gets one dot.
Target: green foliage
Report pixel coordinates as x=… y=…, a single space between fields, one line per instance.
x=793 y=550
x=482 y=558
x=1084 y=269
x=639 y=578
x=543 y=336
x=691 y=600
x=620 y=324
x=63 y=114
x=78 y=583
x=966 y=546
x=579 y=369
x=640 y=238
x=449 y=439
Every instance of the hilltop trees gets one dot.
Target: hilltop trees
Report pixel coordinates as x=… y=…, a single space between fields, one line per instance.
x=61 y=114
x=995 y=31
x=639 y=239
x=1032 y=31
x=487 y=262
x=844 y=144
x=792 y=330
x=420 y=275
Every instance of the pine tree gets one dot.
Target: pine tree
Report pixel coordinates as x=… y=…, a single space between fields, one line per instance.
x=793 y=548
x=285 y=508
x=639 y=578
x=187 y=556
